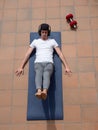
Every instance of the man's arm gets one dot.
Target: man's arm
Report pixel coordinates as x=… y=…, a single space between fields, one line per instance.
x=20 y=70
x=63 y=59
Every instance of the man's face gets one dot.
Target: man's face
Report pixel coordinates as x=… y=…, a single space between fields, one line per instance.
x=44 y=34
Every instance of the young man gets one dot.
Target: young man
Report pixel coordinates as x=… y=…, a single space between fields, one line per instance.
x=43 y=63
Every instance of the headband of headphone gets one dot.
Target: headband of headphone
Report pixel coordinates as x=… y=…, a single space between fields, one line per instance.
x=44 y=26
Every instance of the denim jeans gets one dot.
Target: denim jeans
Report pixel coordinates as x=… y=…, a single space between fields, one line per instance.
x=43 y=72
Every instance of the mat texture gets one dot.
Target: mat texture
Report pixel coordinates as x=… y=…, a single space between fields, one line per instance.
x=52 y=107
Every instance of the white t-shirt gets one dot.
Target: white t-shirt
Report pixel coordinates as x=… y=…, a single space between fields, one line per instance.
x=44 y=49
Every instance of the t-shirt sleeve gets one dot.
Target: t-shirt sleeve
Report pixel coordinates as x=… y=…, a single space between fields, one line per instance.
x=55 y=44
x=33 y=43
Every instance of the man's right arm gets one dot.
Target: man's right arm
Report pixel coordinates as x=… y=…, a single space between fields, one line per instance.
x=20 y=70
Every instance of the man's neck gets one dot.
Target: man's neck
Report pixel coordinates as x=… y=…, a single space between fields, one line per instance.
x=44 y=38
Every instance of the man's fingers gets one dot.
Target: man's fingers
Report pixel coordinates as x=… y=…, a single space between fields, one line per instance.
x=19 y=72
x=68 y=73
x=22 y=72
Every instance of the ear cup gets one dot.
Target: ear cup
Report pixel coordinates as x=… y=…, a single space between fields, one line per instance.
x=44 y=26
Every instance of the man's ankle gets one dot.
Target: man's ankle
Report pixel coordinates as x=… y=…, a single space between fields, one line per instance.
x=38 y=90
x=45 y=90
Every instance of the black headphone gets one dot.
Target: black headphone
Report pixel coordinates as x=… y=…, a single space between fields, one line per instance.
x=44 y=26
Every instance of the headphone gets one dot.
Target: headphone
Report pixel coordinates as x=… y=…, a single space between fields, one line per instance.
x=44 y=26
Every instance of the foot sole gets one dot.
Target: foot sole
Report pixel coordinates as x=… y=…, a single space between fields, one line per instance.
x=43 y=95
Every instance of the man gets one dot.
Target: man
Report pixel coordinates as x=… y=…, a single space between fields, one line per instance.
x=43 y=63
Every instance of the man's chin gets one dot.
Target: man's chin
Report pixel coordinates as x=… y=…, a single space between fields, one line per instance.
x=44 y=37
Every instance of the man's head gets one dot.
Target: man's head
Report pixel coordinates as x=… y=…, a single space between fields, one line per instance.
x=44 y=28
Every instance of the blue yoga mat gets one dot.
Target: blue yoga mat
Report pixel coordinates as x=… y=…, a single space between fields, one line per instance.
x=52 y=107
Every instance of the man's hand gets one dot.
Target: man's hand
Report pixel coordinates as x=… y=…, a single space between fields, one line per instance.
x=68 y=71
x=19 y=72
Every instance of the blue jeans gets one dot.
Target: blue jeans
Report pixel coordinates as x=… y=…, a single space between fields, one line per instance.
x=43 y=72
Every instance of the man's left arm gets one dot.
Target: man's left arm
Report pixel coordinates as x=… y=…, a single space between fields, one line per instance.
x=63 y=59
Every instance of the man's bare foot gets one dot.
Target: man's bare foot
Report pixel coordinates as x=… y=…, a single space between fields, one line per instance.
x=38 y=93
x=44 y=94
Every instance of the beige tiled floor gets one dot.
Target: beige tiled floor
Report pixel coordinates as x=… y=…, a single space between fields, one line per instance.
x=80 y=92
